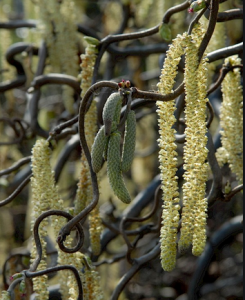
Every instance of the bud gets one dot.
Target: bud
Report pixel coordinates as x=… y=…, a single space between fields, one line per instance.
x=227 y=187
x=114 y=171
x=197 y=5
x=22 y=287
x=92 y=41
x=15 y=276
x=165 y=32
x=127 y=84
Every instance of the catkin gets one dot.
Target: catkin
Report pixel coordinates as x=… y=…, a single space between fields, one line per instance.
x=98 y=148
x=114 y=171
x=231 y=119
x=129 y=142
x=110 y=111
x=193 y=225
x=168 y=156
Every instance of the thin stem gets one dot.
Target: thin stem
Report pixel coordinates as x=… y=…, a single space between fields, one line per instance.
x=30 y=274
x=16 y=191
x=236 y=190
x=16 y=166
x=175 y=9
x=211 y=26
x=138 y=263
x=41 y=80
x=44 y=215
x=223 y=72
x=225 y=52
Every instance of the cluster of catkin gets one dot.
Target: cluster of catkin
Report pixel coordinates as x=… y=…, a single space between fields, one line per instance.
x=193 y=225
x=107 y=145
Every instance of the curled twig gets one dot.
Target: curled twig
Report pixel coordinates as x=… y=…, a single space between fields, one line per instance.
x=19 y=132
x=41 y=80
x=30 y=274
x=142 y=219
x=16 y=166
x=223 y=72
x=214 y=7
x=16 y=191
x=10 y=57
x=44 y=215
x=231 y=228
x=228 y=15
x=138 y=263
x=173 y=10
x=234 y=191
x=225 y=52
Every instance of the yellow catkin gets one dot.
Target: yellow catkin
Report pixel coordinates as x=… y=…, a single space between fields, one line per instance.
x=91 y=282
x=41 y=197
x=68 y=286
x=69 y=289
x=168 y=156
x=84 y=191
x=193 y=226
x=5 y=295
x=143 y=11
x=58 y=27
x=45 y=196
x=231 y=119
x=199 y=233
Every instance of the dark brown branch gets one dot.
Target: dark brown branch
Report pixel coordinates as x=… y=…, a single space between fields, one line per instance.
x=138 y=263
x=229 y=229
x=214 y=8
x=142 y=50
x=228 y=15
x=59 y=128
x=225 y=52
x=236 y=190
x=18 y=24
x=16 y=166
x=142 y=219
x=41 y=80
x=173 y=10
x=223 y=72
x=12 y=51
x=29 y=274
x=20 y=133
x=16 y=192
x=44 y=215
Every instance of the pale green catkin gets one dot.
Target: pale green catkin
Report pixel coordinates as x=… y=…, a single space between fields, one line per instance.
x=129 y=142
x=98 y=148
x=116 y=117
x=110 y=109
x=114 y=171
